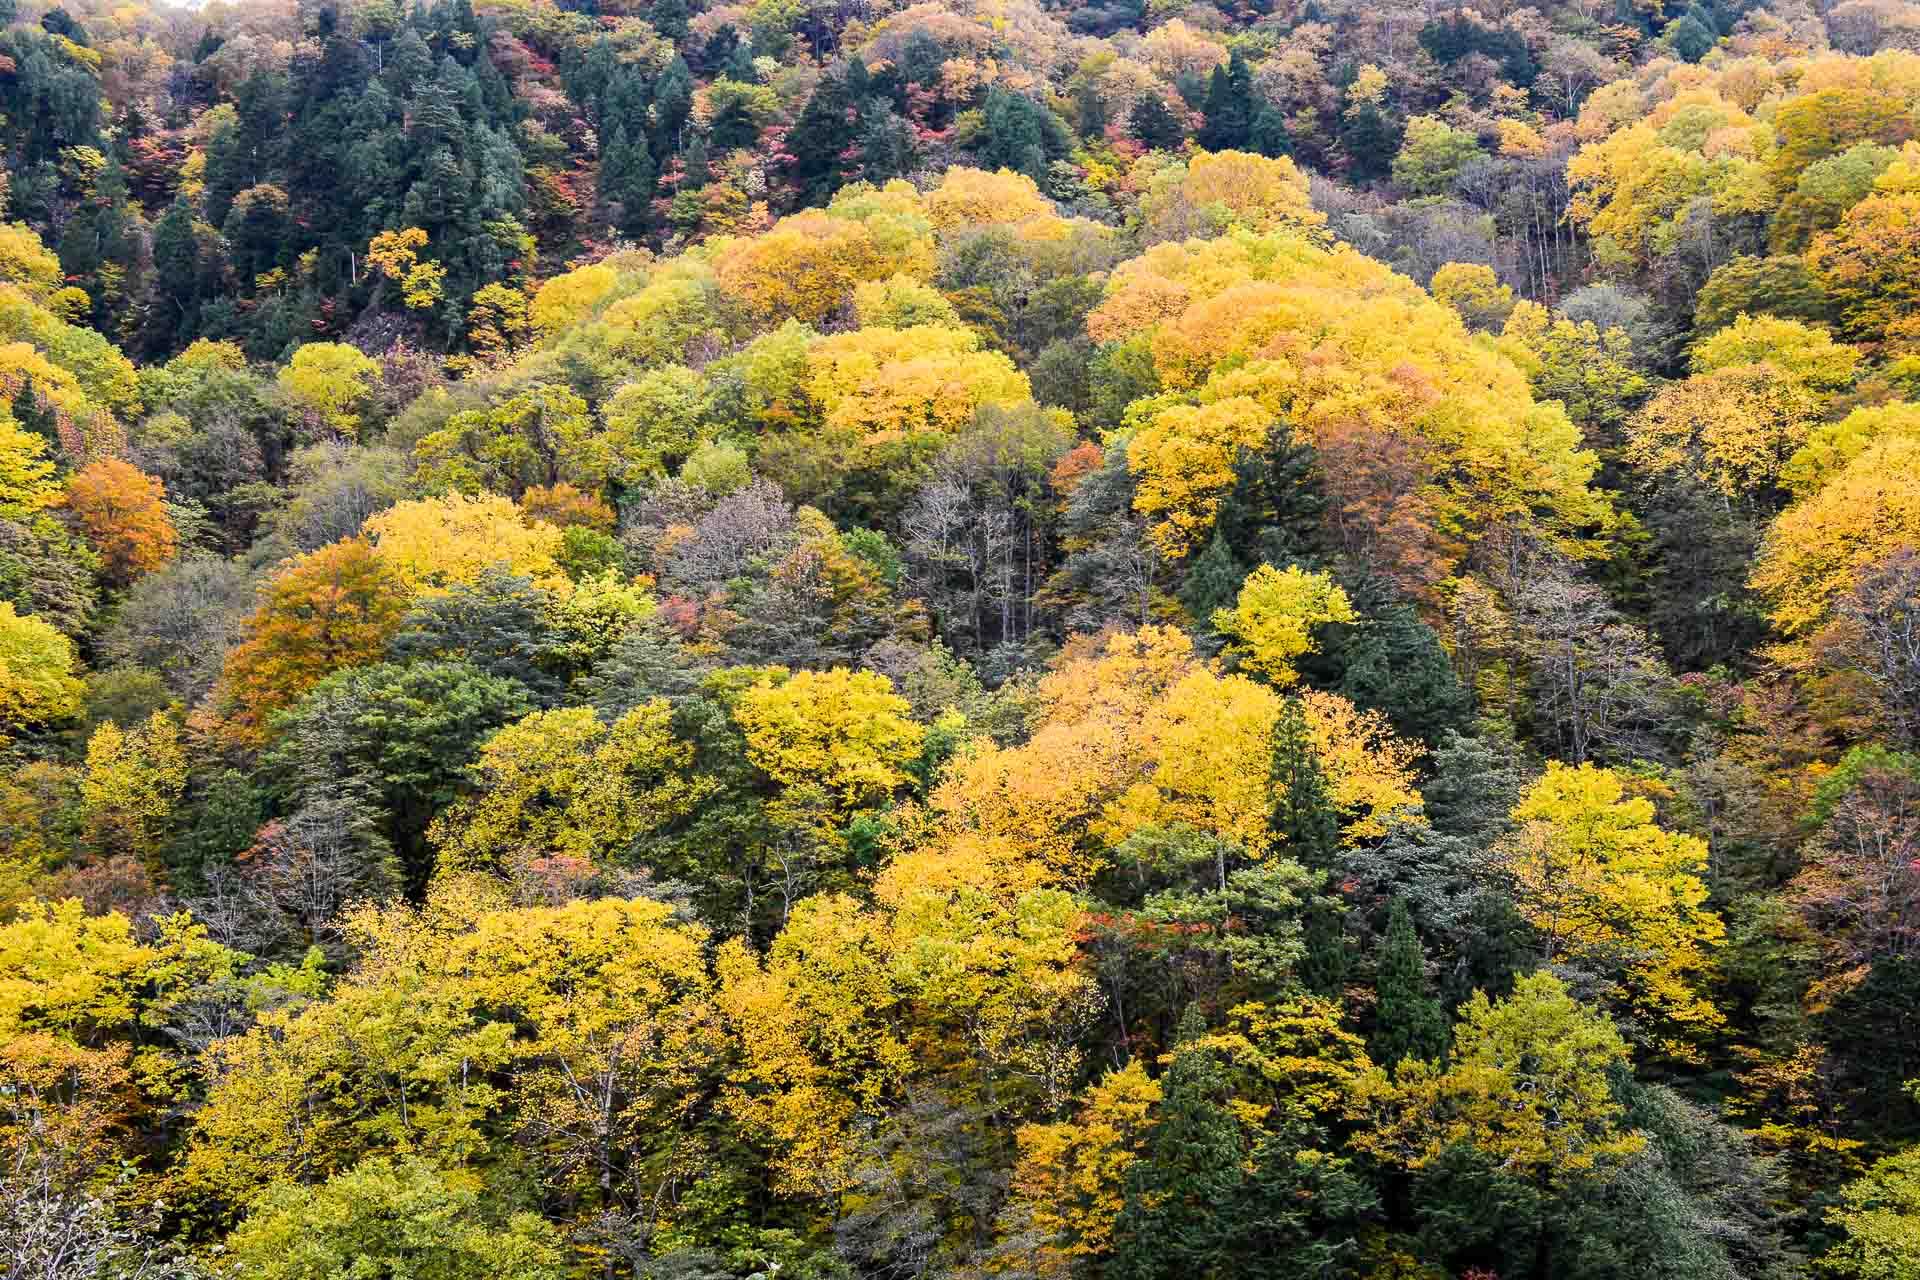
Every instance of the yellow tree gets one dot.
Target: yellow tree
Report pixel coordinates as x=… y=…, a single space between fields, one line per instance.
x=1807 y=356
x=1610 y=889
x=1527 y=1083
x=396 y=255
x=1182 y=463
x=1475 y=294
x=496 y=319
x=1868 y=264
x=805 y=268
x=1072 y=1174
x=1816 y=551
x=80 y=996
x=566 y=299
x=26 y=473
x=888 y=384
x=588 y=1022
x=36 y=672
x=818 y=1022
x=563 y=784
x=1732 y=429
x=432 y=544
x=1272 y=622
x=332 y=380
x=845 y=735
x=133 y=780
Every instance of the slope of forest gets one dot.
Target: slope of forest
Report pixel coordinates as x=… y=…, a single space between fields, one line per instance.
x=866 y=641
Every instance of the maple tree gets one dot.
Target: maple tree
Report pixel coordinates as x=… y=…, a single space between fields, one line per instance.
x=124 y=513
x=325 y=610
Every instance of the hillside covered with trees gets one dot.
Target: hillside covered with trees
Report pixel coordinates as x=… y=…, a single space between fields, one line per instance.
x=972 y=639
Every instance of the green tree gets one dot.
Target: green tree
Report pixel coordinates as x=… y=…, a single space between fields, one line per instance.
x=1153 y=124
x=389 y=1218
x=1409 y=1023
x=1190 y=1168
x=404 y=734
x=1230 y=107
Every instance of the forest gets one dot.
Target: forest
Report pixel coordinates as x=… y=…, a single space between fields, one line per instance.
x=973 y=639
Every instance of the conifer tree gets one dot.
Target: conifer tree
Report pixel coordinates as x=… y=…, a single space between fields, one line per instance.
x=1192 y=1167
x=1153 y=124
x=1303 y=820
x=1213 y=582
x=1410 y=1022
x=1230 y=106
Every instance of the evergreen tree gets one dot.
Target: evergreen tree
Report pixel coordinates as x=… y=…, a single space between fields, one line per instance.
x=818 y=138
x=626 y=181
x=1329 y=961
x=669 y=18
x=34 y=416
x=1092 y=112
x=1370 y=141
x=1212 y=583
x=693 y=162
x=1300 y=1212
x=1021 y=134
x=1153 y=124
x=225 y=175
x=1303 y=820
x=1170 y=1224
x=672 y=105
x=1307 y=829
x=1269 y=135
x=636 y=201
x=887 y=144
x=177 y=275
x=1230 y=106
x=1409 y=1023
x=1393 y=662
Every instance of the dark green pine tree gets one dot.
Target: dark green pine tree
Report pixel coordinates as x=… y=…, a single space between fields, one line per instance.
x=615 y=159
x=636 y=200
x=1153 y=125
x=669 y=18
x=1230 y=106
x=695 y=170
x=34 y=416
x=1021 y=135
x=888 y=148
x=1091 y=113
x=1307 y=828
x=178 y=277
x=672 y=105
x=1269 y=135
x=818 y=139
x=1409 y=1023
x=1212 y=583
x=1172 y=1223
x=1301 y=1211
x=1302 y=820
x=626 y=181
x=225 y=174
x=1394 y=663
x=1370 y=140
